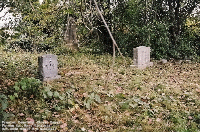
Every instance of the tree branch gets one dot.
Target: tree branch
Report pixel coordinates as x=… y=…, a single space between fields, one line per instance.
x=114 y=42
x=32 y=6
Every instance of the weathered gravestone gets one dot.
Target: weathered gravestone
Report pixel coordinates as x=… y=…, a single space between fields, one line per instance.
x=141 y=57
x=70 y=34
x=48 y=67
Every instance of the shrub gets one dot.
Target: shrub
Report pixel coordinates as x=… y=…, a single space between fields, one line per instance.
x=26 y=87
x=3 y=105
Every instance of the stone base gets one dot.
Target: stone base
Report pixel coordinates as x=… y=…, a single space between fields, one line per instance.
x=142 y=66
x=51 y=78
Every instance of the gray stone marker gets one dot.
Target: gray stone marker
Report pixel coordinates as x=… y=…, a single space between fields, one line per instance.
x=163 y=61
x=141 y=57
x=48 y=67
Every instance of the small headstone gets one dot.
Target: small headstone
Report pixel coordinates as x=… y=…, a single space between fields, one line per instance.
x=48 y=67
x=141 y=57
x=163 y=61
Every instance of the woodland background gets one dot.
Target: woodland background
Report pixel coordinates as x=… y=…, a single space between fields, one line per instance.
x=169 y=27
x=93 y=93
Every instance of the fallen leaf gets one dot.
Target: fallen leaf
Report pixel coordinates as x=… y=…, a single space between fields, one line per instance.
x=57 y=116
x=150 y=121
x=30 y=121
x=21 y=114
x=127 y=113
x=83 y=129
x=62 y=89
x=119 y=90
x=190 y=117
x=158 y=120
x=85 y=95
x=63 y=125
x=198 y=90
x=45 y=122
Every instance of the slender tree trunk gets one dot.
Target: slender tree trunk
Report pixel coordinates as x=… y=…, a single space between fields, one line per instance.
x=114 y=42
x=177 y=18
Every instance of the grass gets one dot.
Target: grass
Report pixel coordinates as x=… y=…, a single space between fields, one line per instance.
x=90 y=96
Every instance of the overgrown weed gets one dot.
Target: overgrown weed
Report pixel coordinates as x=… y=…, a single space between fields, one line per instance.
x=92 y=96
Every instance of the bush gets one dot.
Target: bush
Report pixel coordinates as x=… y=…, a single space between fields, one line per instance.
x=137 y=25
x=26 y=87
x=3 y=105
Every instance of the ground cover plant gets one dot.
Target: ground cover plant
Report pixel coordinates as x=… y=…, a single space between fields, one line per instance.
x=91 y=96
x=97 y=92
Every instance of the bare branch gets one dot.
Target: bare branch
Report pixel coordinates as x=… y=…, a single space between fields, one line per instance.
x=114 y=42
x=32 y=6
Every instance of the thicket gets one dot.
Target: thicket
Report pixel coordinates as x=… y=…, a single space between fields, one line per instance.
x=165 y=25
x=159 y=24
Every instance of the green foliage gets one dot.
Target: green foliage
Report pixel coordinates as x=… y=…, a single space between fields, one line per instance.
x=148 y=23
x=91 y=99
x=133 y=23
x=19 y=66
x=193 y=33
x=56 y=99
x=91 y=29
x=41 y=27
x=3 y=105
x=26 y=87
x=3 y=36
x=90 y=96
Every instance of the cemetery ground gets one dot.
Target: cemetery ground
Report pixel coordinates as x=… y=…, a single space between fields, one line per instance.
x=90 y=96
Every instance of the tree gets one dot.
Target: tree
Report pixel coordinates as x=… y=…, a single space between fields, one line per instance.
x=156 y=23
x=42 y=26
x=175 y=12
x=92 y=29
